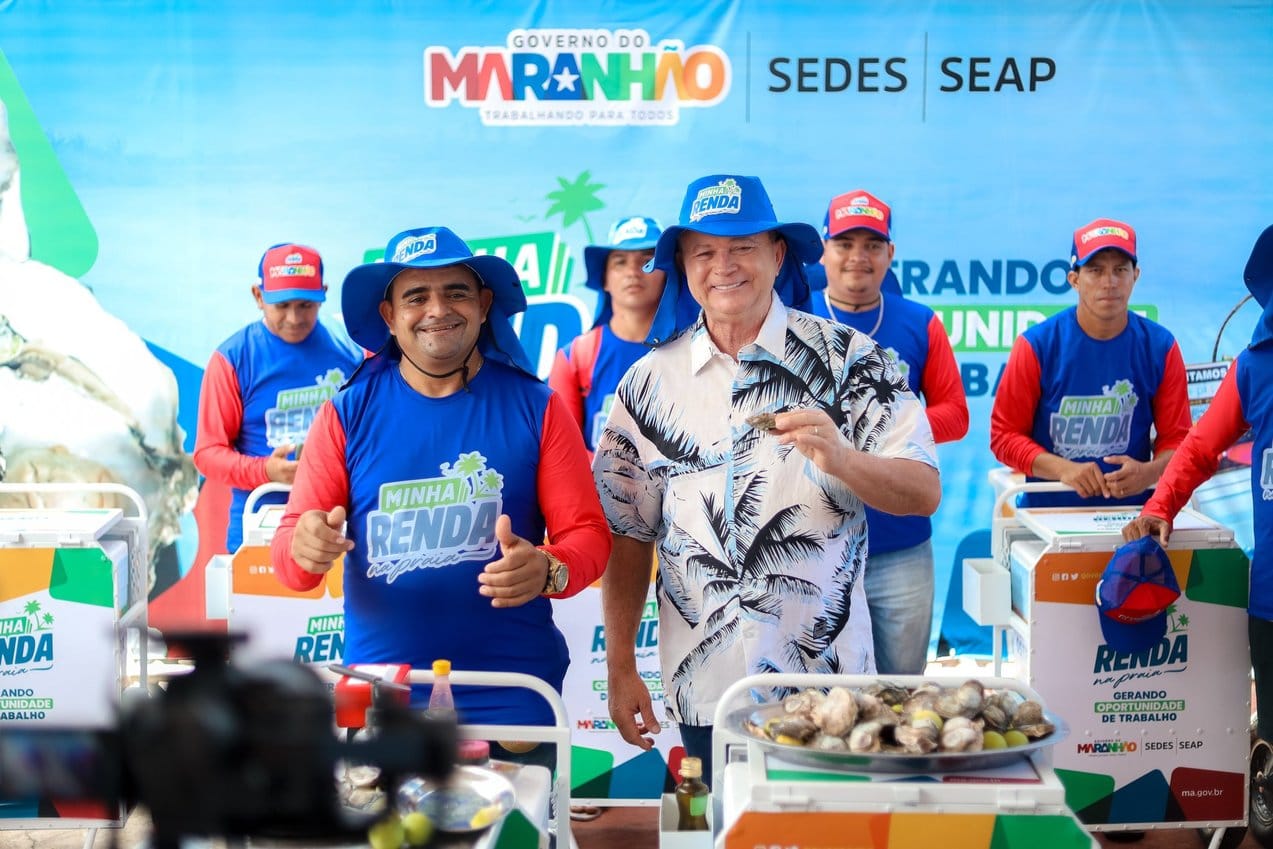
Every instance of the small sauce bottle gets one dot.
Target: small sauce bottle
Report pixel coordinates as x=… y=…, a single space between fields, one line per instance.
x=441 y=702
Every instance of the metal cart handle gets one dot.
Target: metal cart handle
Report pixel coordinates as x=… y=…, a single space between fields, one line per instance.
x=1000 y=521
x=249 y=506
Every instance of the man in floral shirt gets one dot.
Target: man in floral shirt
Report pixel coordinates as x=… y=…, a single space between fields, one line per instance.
x=760 y=522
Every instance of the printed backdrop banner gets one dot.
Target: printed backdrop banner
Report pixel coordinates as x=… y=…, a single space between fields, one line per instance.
x=157 y=149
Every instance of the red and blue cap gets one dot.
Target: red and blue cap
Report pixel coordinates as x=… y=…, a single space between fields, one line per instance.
x=728 y=205
x=858 y=210
x=1134 y=595
x=1098 y=235
x=366 y=287
x=291 y=272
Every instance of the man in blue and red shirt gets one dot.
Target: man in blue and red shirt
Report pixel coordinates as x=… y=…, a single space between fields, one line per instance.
x=264 y=384
x=858 y=252
x=436 y=472
x=1243 y=403
x=1084 y=392
x=586 y=372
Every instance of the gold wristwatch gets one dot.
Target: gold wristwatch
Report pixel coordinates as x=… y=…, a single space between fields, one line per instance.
x=558 y=575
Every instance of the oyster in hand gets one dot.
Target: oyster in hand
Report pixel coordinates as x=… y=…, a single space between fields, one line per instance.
x=762 y=421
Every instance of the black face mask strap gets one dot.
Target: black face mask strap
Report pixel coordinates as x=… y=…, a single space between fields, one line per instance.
x=462 y=369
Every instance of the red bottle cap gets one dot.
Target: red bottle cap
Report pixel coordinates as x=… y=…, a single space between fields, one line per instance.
x=473 y=752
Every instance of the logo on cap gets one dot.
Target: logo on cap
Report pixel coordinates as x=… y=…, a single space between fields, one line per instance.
x=726 y=197
x=859 y=211
x=1098 y=232
x=629 y=228
x=292 y=271
x=416 y=246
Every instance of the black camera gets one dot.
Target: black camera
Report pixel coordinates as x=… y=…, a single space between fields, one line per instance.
x=225 y=751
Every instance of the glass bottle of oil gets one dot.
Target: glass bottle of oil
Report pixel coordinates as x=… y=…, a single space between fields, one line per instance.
x=692 y=797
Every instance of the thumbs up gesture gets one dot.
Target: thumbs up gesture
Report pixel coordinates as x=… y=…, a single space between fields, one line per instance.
x=319 y=539
x=519 y=574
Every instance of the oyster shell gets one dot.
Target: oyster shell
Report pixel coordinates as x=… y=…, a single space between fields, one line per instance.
x=762 y=421
x=829 y=743
x=806 y=702
x=792 y=730
x=918 y=739
x=961 y=734
x=965 y=700
x=838 y=712
x=865 y=737
x=1029 y=713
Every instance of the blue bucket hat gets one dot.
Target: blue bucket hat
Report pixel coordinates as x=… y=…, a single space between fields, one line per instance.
x=729 y=205
x=1259 y=282
x=635 y=233
x=366 y=286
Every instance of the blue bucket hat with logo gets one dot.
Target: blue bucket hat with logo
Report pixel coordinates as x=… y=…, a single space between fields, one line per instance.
x=366 y=286
x=1259 y=282
x=729 y=205
x=635 y=233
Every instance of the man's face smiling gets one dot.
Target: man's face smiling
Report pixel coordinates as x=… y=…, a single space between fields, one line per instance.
x=856 y=262
x=436 y=314
x=732 y=277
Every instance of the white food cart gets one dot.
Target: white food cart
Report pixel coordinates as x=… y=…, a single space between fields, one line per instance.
x=1160 y=738
x=73 y=591
x=242 y=590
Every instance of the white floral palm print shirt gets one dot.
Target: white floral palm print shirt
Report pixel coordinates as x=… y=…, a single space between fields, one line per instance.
x=760 y=552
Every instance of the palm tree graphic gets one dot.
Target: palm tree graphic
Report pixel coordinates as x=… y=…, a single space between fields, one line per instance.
x=36 y=622
x=574 y=200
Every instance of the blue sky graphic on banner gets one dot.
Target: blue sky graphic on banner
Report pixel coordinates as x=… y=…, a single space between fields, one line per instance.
x=196 y=138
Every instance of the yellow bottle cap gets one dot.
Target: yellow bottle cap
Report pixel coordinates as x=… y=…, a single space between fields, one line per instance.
x=441 y=667
x=691 y=767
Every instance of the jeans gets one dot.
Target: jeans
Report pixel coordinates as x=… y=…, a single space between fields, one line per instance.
x=1260 y=632
x=899 y=592
x=698 y=744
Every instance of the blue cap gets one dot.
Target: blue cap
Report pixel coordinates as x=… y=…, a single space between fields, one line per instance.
x=729 y=205
x=366 y=286
x=1259 y=282
x=1134 y=594
x=634 y=233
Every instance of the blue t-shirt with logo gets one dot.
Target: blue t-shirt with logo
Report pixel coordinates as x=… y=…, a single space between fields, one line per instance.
x=428 y=477
x=282 y=385
x=903 y=334
x=614 y=357
x=1257 y=409
x=1096 y=396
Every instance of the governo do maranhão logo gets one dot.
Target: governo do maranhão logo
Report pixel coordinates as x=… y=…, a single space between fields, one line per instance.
x=572 y=77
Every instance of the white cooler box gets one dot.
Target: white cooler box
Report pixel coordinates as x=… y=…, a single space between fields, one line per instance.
x=72 y=584
x=1157 y=737
x=280 y=623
